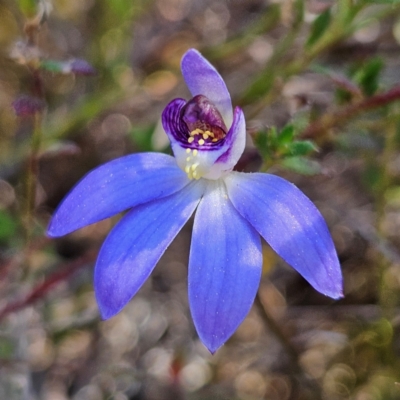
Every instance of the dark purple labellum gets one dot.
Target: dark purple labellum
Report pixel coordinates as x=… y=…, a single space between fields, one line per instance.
x=203 y=120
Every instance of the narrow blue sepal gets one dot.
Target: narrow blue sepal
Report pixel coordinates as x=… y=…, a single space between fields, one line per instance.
x=134 y=246
x=224 y=268
x=292 y=226
x=116 y=186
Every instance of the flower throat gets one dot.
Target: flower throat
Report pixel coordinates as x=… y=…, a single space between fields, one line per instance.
x=204 y=121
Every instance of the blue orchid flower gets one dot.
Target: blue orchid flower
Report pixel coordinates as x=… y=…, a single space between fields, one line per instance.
x=233 y=210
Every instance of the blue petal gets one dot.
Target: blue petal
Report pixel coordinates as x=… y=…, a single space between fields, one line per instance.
x=291 y=224
x=134 y=246
x=116 y=186
x=202 y=78
x=224 y=267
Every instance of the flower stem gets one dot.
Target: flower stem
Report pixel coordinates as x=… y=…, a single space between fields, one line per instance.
x=31 y=30
x=32 y=175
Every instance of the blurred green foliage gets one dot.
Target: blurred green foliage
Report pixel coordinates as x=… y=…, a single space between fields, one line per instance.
x=7 y=226
x=367 y=75
x=319 y=26
x=317 y=82
x=28 y=7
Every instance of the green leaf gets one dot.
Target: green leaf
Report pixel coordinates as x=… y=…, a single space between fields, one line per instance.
x=301 y=165
x=286 y=135
x=7 y=225
x=369 y=78
x=367 y=75
x=261 y=142
x=302 y=148
x=272 y=137
x=266 y=141
x=319 y=27
x=298 y=13
x=28 y=7
x=342 y=96
x=6 y=348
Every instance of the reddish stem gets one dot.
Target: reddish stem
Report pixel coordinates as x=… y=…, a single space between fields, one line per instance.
x=15 y=261
x=328 y=121
x=39 y=291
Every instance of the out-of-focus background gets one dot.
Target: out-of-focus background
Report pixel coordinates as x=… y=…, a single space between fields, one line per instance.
x=318 y=82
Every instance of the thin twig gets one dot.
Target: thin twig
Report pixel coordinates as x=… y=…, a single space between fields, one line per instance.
x=342 y=115
x=40 y=290
x=276 y=330
x=290 y=349
x=16 y=260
